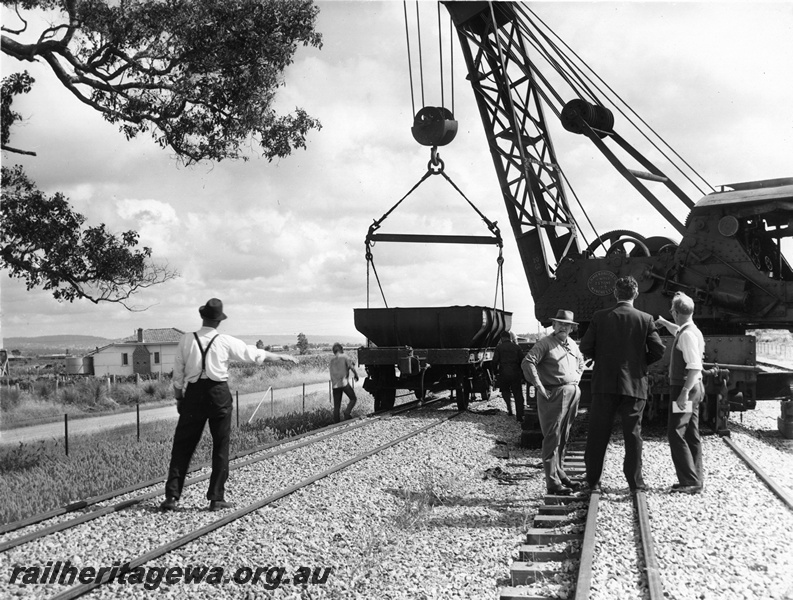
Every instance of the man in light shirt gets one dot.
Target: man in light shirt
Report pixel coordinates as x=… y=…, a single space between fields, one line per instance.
x=555 y=365
x=685 y=384
x=200 y=375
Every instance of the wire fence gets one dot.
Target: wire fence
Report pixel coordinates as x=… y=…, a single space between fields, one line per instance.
x=268 y=406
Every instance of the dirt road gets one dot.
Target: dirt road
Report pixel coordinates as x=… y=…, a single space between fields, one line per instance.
x=91 y=424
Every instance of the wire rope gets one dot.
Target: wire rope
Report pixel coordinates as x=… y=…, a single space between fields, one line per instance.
x=440 y=52
x=632 y=111
x=421 y=57
x=410 y=66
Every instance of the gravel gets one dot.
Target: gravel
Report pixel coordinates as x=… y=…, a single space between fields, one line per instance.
x=422 y=520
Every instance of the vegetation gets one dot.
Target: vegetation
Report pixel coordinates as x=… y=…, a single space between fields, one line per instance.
x=199 y=76
x=43 y=242
x=39 y=477
x=302 y=343
x=35 y=399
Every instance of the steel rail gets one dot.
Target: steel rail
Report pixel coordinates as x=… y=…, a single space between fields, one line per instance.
x=654 y=584
x=584 y=579
x=85 y=503
x=118 y=506
x=777 y=489
x=79 y=590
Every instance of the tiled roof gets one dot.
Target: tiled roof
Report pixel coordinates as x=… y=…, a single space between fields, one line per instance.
x=158 y=336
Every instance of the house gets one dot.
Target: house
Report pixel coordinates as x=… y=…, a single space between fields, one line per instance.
x=149 y=352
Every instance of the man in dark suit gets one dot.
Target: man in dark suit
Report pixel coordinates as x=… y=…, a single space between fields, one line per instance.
x=623 y=341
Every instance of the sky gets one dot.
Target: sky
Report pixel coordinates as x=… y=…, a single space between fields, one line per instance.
x=282 y=242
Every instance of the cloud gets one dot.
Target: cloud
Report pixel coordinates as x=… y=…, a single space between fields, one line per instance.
x=282 y=242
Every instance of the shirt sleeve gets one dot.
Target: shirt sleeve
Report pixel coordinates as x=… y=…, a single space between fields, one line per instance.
x=533 y=358
x=178 y=366
x=242 y=352
x=687 y=343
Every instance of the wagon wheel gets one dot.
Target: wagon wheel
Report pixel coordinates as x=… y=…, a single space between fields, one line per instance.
x=620 y=241
x=462 y=394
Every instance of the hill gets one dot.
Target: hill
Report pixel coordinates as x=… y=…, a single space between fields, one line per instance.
x=78 y=344
x=55 y=343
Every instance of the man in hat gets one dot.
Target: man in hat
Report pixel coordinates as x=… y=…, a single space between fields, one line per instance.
x=554 y=365
x=200 y=373
x=623 y=341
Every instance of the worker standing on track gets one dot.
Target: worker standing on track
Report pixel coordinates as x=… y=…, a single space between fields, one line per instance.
x=506 y=361
x=623 y=341
x=554 y=365
x=200 y=374
x=685 y=386
x=340 y=368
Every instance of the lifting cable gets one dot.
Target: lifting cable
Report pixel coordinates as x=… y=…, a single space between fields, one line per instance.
x=410 y=66
x=421 y=60
x=637 y=116
x=435 y=167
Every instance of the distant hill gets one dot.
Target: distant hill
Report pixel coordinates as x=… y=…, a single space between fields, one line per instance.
x=55 y=343
x=76 y=344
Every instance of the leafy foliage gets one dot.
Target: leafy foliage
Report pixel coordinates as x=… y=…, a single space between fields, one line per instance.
x=43 y=242
x=199 y=75
x=14 y=84
x=302 y=343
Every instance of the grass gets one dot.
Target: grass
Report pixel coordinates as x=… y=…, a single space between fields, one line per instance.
x=45 y=401
x=37 y=477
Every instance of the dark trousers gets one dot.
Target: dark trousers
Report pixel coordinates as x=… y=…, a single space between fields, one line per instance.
x=601 y=418
x=510 y=387
x=684 y=439
x=204 y=400
x=337 y=396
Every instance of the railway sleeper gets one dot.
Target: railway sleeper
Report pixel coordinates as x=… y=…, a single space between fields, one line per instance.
x=550 y=521
x=512 y=593
x=526 y=573
x=541 y=536
x=536 y=552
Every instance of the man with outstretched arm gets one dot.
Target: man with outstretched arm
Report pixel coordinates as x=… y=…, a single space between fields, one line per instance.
x=200 y=375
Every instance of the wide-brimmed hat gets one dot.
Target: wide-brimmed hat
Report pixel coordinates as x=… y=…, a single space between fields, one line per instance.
x=564 y=316
x=212 y=310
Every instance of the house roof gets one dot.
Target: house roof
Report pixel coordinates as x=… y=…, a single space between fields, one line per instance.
x=157 y=336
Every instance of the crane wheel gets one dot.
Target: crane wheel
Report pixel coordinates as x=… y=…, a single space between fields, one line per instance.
x=615 y=241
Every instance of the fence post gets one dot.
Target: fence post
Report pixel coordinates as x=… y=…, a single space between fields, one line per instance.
x=330 y=392
x=272 y=403
x=66 y=432
x=137 y=413
x=238 y=408
x=304 y=398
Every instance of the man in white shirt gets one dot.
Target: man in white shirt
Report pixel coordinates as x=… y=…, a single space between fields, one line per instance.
x=685 y=384
x=200 y=375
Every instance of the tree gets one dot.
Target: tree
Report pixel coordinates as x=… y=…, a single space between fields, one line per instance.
x=43 y=242
x=302 y=343
x=200 y=76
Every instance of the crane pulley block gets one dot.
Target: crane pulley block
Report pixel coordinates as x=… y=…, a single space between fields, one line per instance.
x=598 y=117
x=434 y=126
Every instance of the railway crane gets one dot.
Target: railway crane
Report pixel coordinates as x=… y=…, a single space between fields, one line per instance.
x=727 y=252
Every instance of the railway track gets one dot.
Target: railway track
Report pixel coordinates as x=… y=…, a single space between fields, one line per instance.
x=162 y=549
x=98 y=505
x=565 y=532
x=55 y=527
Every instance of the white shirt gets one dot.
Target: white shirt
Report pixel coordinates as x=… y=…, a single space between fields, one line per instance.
x=187 y=362
x=692 y=345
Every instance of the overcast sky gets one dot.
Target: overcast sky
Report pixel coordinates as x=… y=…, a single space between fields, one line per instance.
x=281 y=243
